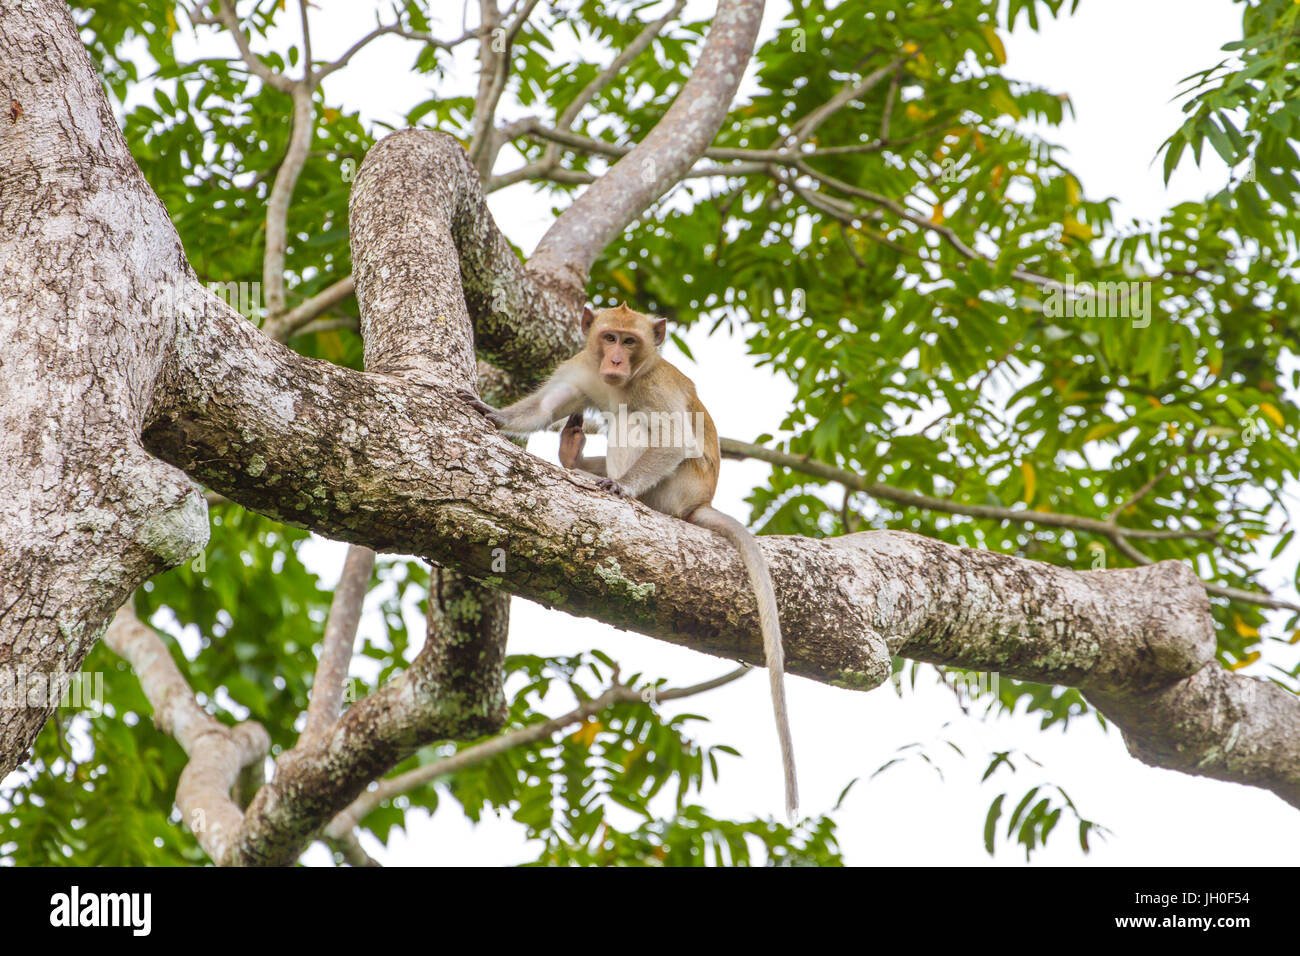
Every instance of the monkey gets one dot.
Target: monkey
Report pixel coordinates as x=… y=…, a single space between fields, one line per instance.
x=620 y=373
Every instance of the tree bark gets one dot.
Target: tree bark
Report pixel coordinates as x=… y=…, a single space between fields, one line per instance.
x=85 y=250
x=122 y=376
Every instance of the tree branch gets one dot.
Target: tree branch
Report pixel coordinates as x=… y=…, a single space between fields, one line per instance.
x=391 y=29
x=851 y=91
x=532 y=126
x=392 y=460
x=217 y=753
x=278 y=81
x=337 y=646
x=607 y=75
x=343 y=824
x=666 y=154
x=495 y=45
x=289 y=323
x=484 y=144
x=277 y=206
x=352 y=851
x=1117 y=534
x=420 y=706
x=902 y=212
x=733 y=448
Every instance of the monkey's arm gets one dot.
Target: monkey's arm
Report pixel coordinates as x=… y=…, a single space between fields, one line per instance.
x=556 y=399
x=572 y=441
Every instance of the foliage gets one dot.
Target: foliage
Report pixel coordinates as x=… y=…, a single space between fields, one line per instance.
x=584 y=797
x=916 y=364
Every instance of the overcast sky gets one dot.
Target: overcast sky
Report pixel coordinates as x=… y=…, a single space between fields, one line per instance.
x=1121 y=64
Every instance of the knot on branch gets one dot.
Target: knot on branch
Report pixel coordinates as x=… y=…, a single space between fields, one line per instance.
x=173 y=523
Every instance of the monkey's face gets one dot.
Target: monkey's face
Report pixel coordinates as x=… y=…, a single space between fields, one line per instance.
x=621 y=353
x=622 y=340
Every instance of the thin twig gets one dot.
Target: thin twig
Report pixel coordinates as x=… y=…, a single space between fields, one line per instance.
x=1144 y=490
x=270 y=77
x=732 y=448
x=890 y=97
x=337 y=646
x=282 y=326
x=606 y=76
x=352 y=851
x=809 y=124
x=903 y=212
x=392 y=29
x=484 y=143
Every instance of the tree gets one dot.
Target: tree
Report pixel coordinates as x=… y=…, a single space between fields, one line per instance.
x=899 y=247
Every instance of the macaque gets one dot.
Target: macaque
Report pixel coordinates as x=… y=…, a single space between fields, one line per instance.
x=621 y=374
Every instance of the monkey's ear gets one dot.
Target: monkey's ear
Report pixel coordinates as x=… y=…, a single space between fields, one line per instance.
x=660 y=327
x=588 y=317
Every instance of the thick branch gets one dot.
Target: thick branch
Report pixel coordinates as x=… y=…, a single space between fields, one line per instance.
x=422 y=705
x=85 y=513
x=847 y=604
x=406 y=467
x=419 y=217
x=1214 y=724
x=453 y=690
x=395 y=462
x=435 y=480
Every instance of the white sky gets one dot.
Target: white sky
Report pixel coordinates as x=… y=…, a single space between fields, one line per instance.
x=1121 y=64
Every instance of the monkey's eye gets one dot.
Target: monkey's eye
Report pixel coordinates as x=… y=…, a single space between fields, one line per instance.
x=610 y=337
x=629 y=341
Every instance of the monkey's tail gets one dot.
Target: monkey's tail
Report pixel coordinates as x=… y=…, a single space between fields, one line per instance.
x=760 y=579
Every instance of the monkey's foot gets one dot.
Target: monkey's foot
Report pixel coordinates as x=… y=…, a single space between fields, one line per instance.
x=612 y=486
x=572 y=442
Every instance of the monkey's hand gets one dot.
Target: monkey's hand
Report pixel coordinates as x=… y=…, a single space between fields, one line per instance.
x=480 y=406
x=612 y=486
x=572 y=442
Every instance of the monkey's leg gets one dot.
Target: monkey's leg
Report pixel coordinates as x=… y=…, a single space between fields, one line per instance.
x=572 y=441
x=650 y=468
